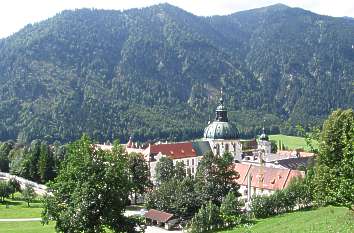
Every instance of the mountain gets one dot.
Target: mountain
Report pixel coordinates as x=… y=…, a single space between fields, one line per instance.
x=155 y=72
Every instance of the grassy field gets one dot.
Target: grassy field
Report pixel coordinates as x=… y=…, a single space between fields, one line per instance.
x=326 y=219
x=290 y=142
x=18 y=209
x=26 y=227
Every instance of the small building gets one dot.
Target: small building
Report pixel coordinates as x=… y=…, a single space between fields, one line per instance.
x=160 y=218
x=264 y=180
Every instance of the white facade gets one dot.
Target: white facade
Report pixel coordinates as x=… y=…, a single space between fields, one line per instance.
x=221 y=146
x=265 y=146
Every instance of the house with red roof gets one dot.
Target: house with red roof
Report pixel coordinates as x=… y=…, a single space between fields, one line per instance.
x=189 y=153
x=263 y=180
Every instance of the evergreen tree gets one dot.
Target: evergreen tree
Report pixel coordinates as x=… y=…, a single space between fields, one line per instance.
x=45 y=164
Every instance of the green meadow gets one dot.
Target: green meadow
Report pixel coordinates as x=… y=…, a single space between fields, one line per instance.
x=327 y=219
x=290 y=142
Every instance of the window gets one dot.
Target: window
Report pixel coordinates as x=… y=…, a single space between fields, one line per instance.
x=192 y=162
x=226 y=147
x=187 y=162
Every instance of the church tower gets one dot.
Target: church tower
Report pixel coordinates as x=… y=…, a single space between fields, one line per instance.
x=222 y=135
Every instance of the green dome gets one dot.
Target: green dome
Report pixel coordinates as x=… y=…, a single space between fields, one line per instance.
x=221 y=130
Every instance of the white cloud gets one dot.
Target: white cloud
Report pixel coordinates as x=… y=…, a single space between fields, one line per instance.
x=15 y=14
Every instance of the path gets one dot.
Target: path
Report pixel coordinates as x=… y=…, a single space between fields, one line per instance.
x=20 y=219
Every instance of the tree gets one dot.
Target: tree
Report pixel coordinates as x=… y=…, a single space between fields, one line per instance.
x=5 y=149
x=5 y=190
x=91 y=191
x=28 y=194
x=164 y=170
x=45 y=164
x=274 y=146
x=174 y=196
x=30 y=159
x=334 y=173
x=300 y=191
x=180 y=171
x=230 y=209
x=14 y=186
x=215 y=178
x=139 y=173
x=207 y=218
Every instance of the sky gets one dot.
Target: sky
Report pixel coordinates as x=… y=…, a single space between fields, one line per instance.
x=15 y=14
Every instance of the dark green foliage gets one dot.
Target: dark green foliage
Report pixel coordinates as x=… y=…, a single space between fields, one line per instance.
x=174 y=196
x=14 y=186
x=5 y=190
x=91 y=191
x=46 y=164
x=139 y=173
x=38 y=161
x=298 y=195
x=215 y=178
x=207 y=218
x=180 y=171
x=300 y=191
x=230 y=210
x=334 y=173
x=274 y=146
x=154 y=73
x=164 y=170
x=5 y=149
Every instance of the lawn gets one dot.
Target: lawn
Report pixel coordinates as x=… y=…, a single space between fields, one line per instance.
x=19 y=209
x=326 y=219
x=26 y=227
x=290 y=142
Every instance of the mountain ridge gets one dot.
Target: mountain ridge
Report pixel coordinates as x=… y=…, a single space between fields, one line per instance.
x=155 y=72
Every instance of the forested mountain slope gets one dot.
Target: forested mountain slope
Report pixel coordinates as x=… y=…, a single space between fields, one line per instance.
x=155 y=72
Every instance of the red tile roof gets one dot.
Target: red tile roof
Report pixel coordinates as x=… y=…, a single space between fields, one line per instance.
x=242 y=169
x=158 y=215
x=266 y=177
x=174 y=150
x=292 y=174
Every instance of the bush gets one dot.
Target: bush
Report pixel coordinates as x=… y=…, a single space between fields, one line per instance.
x=230 y=210
x=300 y=192
x=262 y=206
x=207 y=218
x=297 y=195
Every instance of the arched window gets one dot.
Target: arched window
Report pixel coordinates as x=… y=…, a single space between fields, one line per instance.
x=217 y=149
x=226 y=147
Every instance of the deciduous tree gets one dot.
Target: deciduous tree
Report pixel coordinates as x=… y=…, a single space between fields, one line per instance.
x=91 y=191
